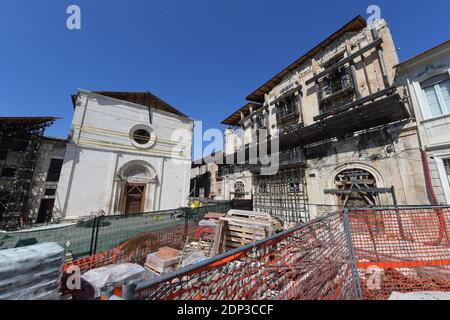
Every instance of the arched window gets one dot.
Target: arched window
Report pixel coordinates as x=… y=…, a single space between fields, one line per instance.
x=239 y=190
x=437 y=93
x=356 y=186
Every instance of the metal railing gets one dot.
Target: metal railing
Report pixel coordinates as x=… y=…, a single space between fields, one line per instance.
x=309 y=262
x=357 y=254
x=405 y=249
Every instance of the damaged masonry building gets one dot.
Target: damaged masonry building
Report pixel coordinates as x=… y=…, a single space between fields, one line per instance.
x=121 y=157
x=344 y=128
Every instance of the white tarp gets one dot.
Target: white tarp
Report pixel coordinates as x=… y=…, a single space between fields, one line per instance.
x=126 y=272
x=32 y=272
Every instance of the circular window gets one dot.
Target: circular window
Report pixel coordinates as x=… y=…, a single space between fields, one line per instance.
x=142 y=136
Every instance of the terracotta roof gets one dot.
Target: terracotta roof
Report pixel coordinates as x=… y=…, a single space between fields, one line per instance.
x=233 y=120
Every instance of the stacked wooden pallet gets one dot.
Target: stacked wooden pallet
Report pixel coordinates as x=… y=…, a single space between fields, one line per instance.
x=239 y=228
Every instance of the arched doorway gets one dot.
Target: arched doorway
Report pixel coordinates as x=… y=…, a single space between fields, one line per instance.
x=134 y=183
x=356 y=188
x=135 y=198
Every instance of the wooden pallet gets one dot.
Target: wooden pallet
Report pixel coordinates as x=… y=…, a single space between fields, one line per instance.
x=158 y=271
x=240 y=228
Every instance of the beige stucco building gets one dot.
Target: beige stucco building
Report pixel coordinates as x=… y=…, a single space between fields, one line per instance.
x=427 y=79
x=344 y=129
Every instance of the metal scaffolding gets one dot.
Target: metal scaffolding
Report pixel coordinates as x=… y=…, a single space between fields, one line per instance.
x=19 y=146
x=283 y=195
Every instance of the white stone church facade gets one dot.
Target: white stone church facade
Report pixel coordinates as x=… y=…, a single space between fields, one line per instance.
x=126 y=153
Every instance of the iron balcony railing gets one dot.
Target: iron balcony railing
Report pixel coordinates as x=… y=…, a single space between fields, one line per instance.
x=286 y=158
x=335 y=84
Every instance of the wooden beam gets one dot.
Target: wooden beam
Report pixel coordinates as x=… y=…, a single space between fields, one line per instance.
x=353 y=70
x=355 y=103
x=345 y=60
x=367 y=190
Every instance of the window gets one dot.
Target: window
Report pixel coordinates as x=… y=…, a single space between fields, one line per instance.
x=447 y=168
x=287 y=107
x=8 y=172
x=3 y=155
x=141 y=136
x=54 y=171
x=437 y=94
x=50 y=192
x=260 y=122
x=294 y=187
x=356 y=180
x=336 y=81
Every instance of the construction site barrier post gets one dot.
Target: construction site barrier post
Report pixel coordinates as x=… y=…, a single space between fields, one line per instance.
x=352 y=256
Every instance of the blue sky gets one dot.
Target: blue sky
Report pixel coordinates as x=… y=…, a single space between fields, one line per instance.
x=202 y=56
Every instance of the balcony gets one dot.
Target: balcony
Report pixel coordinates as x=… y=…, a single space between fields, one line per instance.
x=336 y=89
x=287 y=111
x=378 y=109
x=290 y=158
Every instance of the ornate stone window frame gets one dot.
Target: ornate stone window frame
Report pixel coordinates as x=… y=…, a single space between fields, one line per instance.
x=150 y=130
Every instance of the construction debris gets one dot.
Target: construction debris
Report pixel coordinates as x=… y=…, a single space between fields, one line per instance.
x=193 y=258
x=31 y=273
x=214 y=215
x=168 y=253
x=164 y=261
x=195 y=251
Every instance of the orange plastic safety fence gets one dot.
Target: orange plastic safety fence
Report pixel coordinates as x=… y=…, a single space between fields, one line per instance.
x=403 y=250
x=311 y=262
x=135 y=250
x=365 y=254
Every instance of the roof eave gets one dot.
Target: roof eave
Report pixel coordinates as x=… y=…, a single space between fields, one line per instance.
x=424 y=55
x=358 y=23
